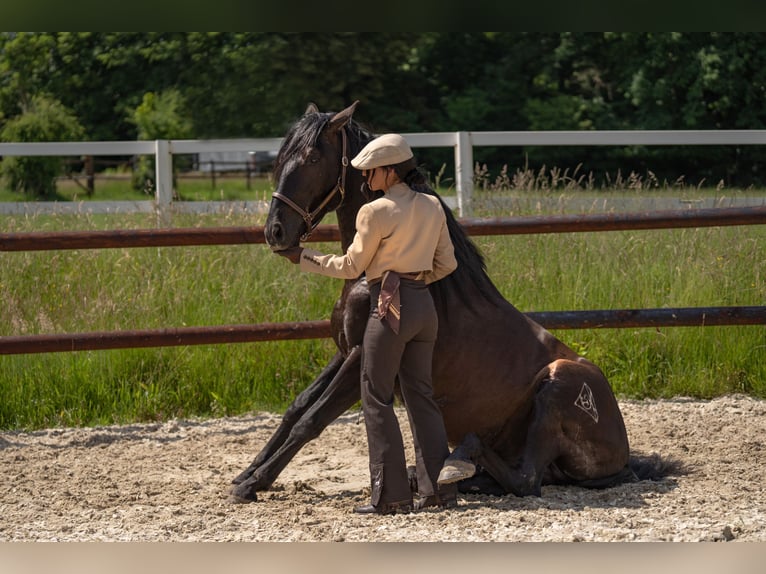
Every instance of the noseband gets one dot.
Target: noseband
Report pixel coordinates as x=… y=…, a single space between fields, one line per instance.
x=309 y=216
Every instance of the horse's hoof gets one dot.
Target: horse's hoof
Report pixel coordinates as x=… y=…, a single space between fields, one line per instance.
x=455 y=471
x=239 y=496
x=234 y=499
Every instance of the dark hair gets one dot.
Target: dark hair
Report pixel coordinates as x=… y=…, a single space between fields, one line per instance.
x=409 y=173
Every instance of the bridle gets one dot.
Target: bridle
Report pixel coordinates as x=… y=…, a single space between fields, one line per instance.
x=309 y=216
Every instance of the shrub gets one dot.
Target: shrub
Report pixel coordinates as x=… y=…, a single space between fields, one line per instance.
x=44 y=119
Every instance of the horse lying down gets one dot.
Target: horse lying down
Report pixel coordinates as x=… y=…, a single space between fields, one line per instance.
x=521 y=408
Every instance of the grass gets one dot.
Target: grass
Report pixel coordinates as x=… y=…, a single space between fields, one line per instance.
x=190 y=188
x=664 y=268
x=119 y=289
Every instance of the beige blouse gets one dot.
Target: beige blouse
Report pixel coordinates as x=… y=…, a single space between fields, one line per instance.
x=403 y=231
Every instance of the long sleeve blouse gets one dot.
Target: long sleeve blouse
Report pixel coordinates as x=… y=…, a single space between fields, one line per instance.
x=403 y=231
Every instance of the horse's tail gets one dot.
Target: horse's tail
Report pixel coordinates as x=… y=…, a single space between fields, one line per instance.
x=655 y=467
x=639 y=467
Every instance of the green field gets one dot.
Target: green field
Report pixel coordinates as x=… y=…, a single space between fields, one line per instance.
x=117 y=187
x=151 y=288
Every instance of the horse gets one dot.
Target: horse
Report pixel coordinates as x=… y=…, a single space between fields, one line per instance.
x=520 y=407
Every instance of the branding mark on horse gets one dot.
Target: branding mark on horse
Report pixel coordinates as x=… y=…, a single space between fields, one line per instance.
x=586 y=402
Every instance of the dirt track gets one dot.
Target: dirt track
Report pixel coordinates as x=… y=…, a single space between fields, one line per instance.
x=169 y=482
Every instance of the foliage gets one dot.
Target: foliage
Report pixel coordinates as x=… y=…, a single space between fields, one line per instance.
x=43 y=119
x=159 y=116
x=253 y=84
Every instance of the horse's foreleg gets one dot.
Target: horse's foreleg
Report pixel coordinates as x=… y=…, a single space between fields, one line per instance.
x=294 y=412
x=342 y=392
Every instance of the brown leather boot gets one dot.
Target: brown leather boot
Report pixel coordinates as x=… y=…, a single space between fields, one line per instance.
x=403 y=507
x=445 y=498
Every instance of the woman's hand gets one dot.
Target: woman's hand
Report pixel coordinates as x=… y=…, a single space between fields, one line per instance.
x=291 y=253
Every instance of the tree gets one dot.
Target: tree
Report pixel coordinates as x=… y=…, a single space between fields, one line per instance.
x=710 y=80
x=254 y=84
x=43 y=119
x=159 y=116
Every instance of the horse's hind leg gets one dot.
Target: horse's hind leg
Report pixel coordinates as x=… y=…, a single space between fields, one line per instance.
x=576 y=434
x=342 y=392
x=481 y=483
x=292 y=415
x=593 y=439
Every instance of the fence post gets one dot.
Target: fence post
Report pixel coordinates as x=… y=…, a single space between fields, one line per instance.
x=90 y=174
x=163 y=155
x=463 y=172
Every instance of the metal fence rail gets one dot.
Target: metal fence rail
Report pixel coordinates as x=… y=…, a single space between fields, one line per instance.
x=620 y=318
x=41 y=241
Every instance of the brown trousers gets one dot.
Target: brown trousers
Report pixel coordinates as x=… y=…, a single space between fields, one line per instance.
x=408 y=355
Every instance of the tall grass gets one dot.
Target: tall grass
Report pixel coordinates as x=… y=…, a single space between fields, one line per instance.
x=117 y=289
x=664 y=268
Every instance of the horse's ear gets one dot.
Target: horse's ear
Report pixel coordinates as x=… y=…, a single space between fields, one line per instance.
x=311 y=109
x=343 y=117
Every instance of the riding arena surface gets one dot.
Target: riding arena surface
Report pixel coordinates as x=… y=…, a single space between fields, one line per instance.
x=169 y=482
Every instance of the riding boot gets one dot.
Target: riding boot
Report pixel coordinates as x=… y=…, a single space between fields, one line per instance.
x=404 y=507
x=445 y=496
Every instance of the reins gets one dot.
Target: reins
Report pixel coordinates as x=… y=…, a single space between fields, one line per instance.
x=308 y=216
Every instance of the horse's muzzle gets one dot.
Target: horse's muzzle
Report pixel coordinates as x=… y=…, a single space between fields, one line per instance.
x=277 y=238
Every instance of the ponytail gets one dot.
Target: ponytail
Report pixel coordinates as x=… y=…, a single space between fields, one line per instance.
x=409 y=173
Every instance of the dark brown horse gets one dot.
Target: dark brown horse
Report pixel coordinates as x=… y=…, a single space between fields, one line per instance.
x=517 y=402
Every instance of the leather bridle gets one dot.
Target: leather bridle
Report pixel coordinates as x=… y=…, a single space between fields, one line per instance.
x=309 y=216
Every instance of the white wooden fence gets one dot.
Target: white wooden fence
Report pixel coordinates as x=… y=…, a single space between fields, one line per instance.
x=461 y=142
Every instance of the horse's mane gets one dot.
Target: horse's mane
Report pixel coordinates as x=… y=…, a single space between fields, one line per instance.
x=304 y=133
x=471 y=266
x=301 y=136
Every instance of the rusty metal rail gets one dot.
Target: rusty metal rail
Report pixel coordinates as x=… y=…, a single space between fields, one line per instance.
x=41 y=241
x=664 y=317
x=618 y=318
x=100 y=340
x=698 y=317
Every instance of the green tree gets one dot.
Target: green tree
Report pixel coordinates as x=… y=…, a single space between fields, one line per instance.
x=24 y=68
x=255 y=84
x=159 y=116
x=710 y=80
x=43 y=119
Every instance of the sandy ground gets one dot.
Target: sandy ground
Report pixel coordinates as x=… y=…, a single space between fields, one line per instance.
x=170 y=482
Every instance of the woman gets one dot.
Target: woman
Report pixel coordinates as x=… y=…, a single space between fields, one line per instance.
x=401 y=245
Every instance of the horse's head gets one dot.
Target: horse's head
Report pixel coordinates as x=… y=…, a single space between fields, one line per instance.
x=310 y=175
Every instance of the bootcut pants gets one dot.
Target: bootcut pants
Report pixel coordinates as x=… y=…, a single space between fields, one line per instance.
x=408 y=355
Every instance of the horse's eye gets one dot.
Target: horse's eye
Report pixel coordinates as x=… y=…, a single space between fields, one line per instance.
x=313 y=157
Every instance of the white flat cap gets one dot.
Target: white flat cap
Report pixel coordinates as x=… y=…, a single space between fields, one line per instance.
x=388 y=149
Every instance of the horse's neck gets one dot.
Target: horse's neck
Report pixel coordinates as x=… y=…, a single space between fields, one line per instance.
x=347 y=212
x=347 y=227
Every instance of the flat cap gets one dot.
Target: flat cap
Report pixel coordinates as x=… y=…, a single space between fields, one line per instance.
x=388 y=149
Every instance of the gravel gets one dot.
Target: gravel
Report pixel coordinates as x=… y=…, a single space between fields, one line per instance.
x=169 y=482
